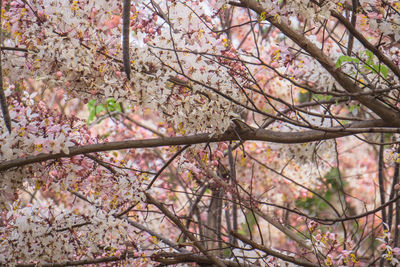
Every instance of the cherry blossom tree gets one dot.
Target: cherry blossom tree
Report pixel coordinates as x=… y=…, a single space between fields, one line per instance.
x=200 y=133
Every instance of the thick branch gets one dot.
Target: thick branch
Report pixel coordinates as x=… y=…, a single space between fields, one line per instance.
x=80 y=262
x=348 y=84
x=125 y=37
x=175 y=258
x=387 y=61
x=243 y=134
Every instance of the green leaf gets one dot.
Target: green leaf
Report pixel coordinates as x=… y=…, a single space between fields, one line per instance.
x=370 y=56
x=376 y=67
x=118 y=107
x=92 y=115
x=92 y=111
x=369 y=68
x=318 y=97
x=369 y=53
x=95 y=110
x=110 y=102
x=113 y=106
x=100 y=108
x=384 y=71
x=342 y=59
x=91 y=103
x=250 y=222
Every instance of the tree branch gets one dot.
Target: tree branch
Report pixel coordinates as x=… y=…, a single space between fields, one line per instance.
x=178 y=223
x=3 y=100
x=387 y=61
x=175 y=258
x=242 y=134
x=125 y=37
x=81 y=262
x=386 y=113
x=273 y=252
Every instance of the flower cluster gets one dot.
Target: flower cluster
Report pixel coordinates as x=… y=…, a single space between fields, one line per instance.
x=66 y=48
x=190 y=87
x=300 y=9
x=389 y=253
x=46 y=234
